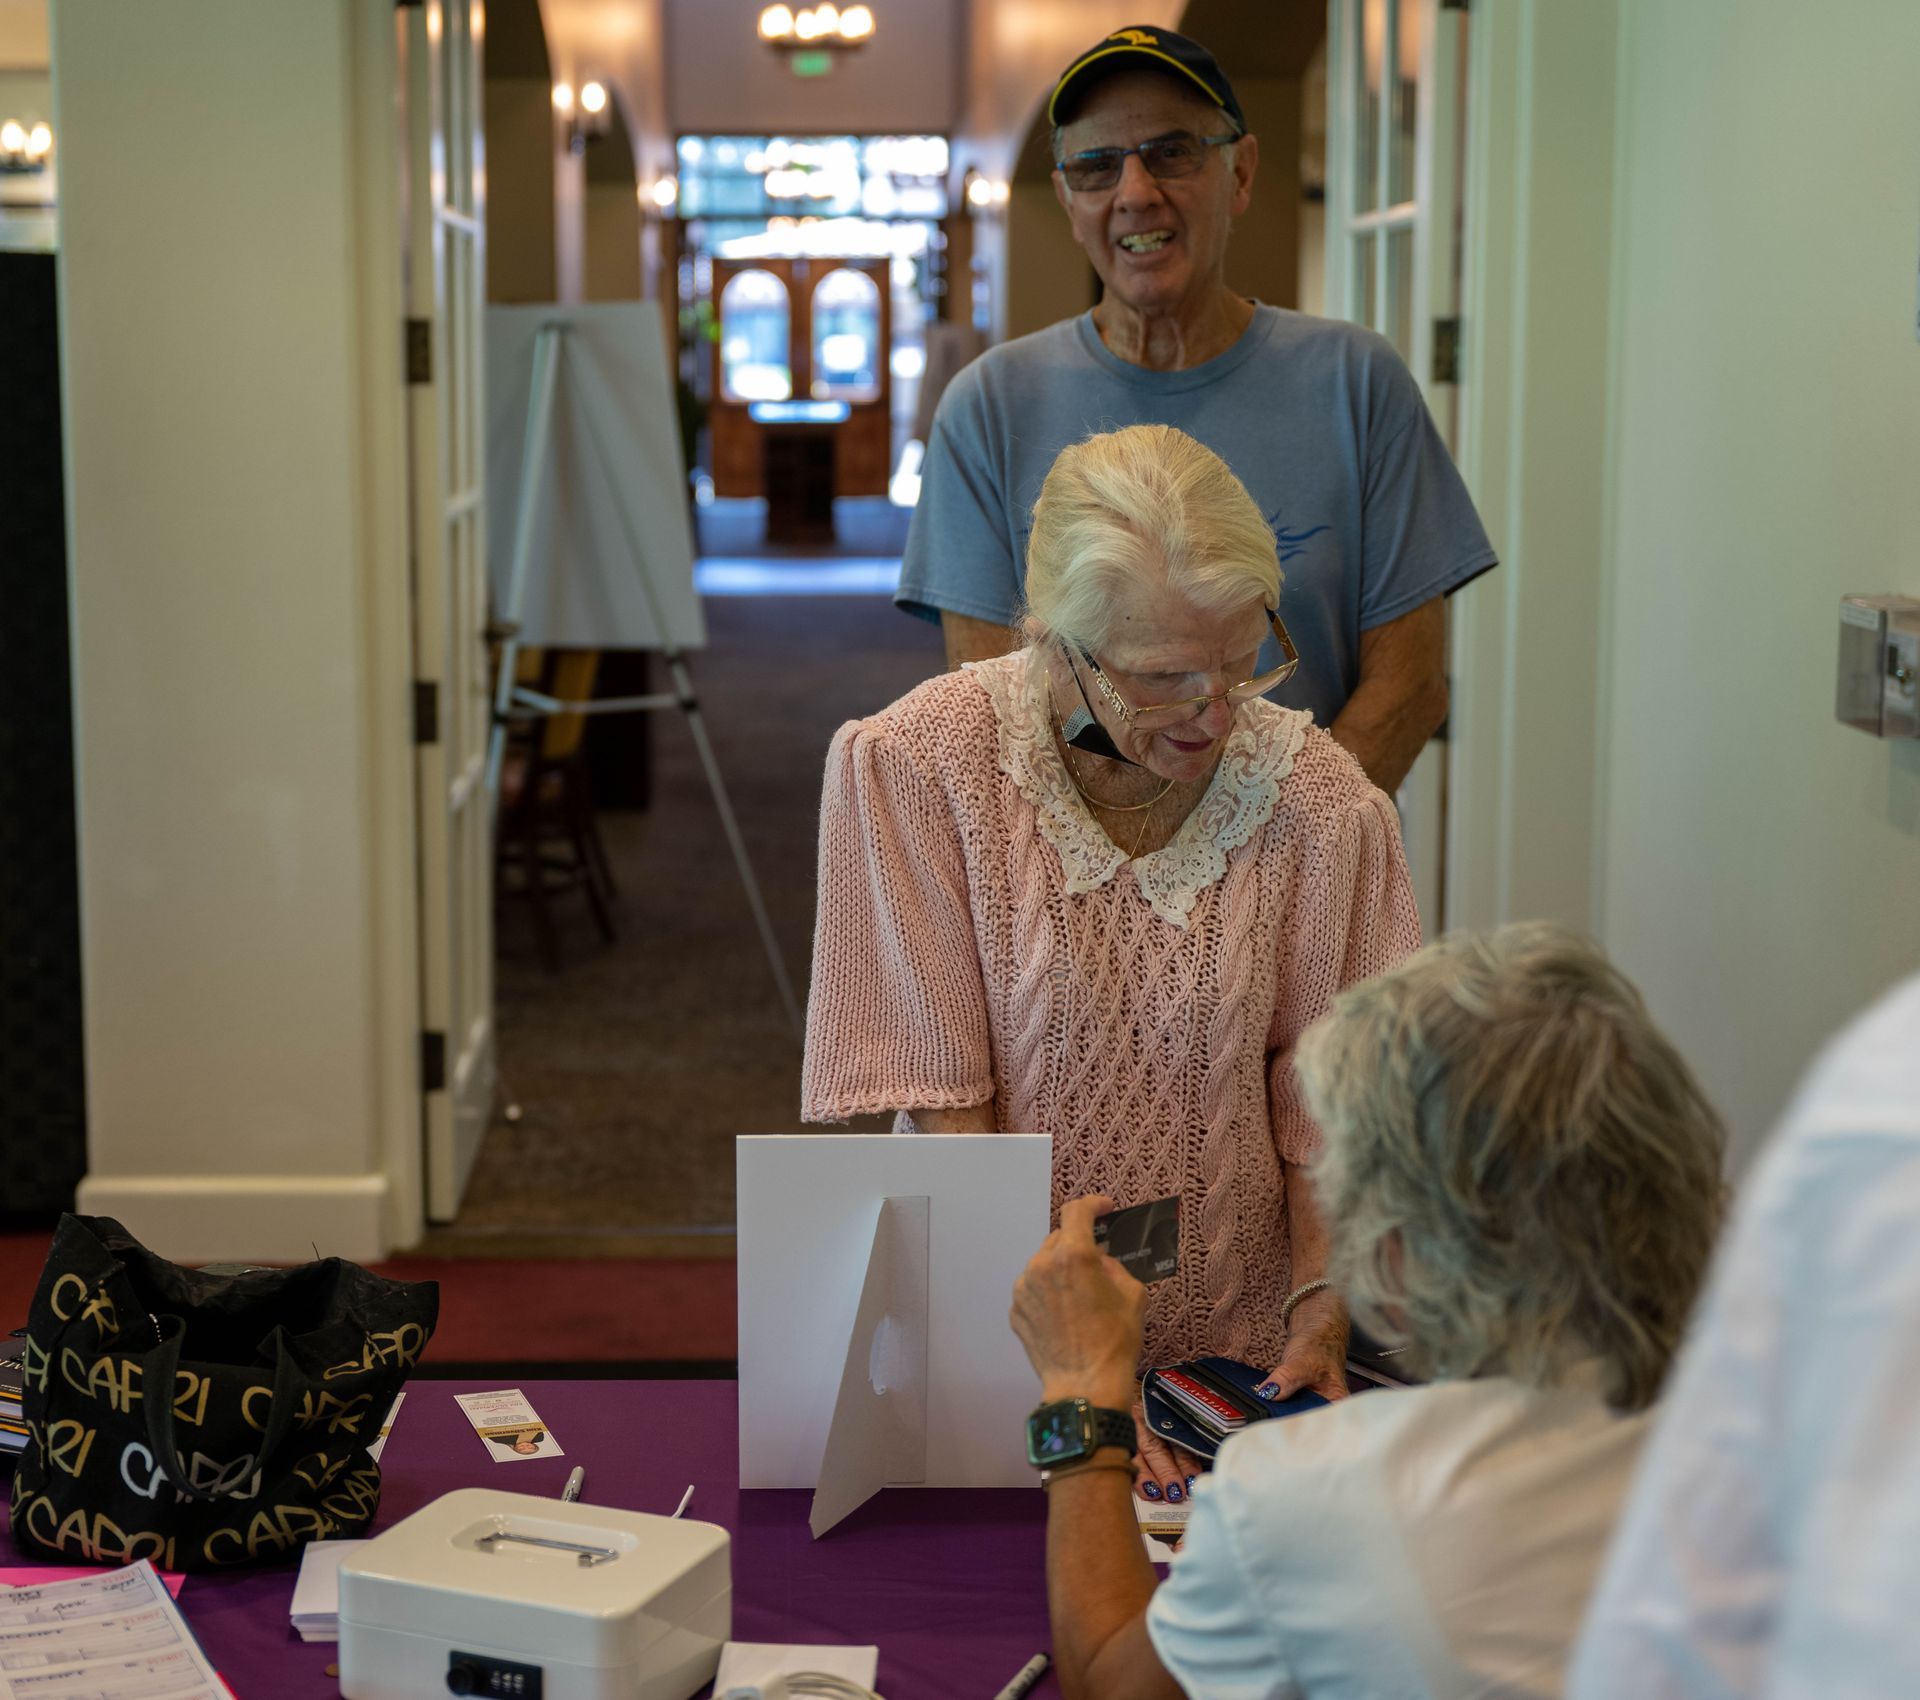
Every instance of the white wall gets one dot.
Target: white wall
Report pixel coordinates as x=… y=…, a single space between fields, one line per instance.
x=721 y=78
x=1537 y=300
x=231 y=348
x=1761 y=871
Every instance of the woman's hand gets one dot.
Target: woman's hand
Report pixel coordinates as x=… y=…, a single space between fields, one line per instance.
x=1316 y=1354
x=1162 y=1470
x=1079 y=1314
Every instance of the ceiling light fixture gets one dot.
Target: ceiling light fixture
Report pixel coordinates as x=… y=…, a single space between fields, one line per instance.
x=812 y=35
x=24 y=147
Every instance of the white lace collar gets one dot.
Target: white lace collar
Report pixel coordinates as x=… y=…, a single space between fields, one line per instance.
x=1240 y=800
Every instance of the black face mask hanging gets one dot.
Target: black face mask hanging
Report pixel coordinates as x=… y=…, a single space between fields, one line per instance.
x=1082 y=728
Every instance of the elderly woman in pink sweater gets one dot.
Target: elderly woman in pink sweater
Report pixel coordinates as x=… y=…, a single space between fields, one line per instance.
x=1097 y=889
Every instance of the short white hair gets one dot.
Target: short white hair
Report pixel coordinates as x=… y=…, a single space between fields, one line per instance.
x=1143 y=507
x=1518 y=1171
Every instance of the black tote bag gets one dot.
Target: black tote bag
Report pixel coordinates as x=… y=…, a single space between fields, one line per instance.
x=201 y=1420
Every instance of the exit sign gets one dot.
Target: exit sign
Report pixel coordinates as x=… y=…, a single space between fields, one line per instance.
x=816 y=64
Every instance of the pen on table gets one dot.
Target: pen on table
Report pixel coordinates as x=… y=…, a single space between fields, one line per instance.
x=575 y=1483
x=1024 y=1679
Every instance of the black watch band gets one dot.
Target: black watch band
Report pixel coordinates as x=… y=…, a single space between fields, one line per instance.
x=1113 y=1428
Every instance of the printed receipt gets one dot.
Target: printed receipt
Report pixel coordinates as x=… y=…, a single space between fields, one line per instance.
x=117 y=1636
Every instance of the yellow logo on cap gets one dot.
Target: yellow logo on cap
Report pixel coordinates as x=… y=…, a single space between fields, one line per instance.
x=1135 y=38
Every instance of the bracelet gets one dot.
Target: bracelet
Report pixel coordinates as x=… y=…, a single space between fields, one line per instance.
x=1049 y=1477
x=1299 y=1293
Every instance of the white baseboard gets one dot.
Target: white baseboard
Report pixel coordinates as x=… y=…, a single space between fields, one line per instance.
x=246 y=1218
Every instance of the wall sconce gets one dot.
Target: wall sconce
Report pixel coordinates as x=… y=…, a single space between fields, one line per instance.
x=25 y=147
x=661 y=197
x=587 y=116
x=985 y=192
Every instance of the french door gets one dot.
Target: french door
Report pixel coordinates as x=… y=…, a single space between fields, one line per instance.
x=446 y=302
x=794 y=335
x=1396 y=111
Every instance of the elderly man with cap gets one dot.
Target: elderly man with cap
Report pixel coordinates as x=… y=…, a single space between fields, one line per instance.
x=1319 y=419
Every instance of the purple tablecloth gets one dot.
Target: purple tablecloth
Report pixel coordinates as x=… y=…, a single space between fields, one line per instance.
x=950 y=1585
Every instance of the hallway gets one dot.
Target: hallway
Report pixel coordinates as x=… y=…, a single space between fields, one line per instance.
x=637 y=1063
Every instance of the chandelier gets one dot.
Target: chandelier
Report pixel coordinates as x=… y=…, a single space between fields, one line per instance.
x=824 y=28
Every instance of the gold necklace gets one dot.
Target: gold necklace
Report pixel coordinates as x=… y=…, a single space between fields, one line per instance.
x=1087 y=796
x=1140 y=837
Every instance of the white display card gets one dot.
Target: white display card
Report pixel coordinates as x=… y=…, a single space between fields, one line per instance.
x=807 y=1212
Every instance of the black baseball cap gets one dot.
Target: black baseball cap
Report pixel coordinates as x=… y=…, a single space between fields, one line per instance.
x=1143 y=48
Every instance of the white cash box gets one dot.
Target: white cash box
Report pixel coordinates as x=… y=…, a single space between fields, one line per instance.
x=503 y=1594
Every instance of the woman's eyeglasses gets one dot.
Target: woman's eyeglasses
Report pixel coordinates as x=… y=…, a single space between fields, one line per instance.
x=1148 y=716
x=1164 y=157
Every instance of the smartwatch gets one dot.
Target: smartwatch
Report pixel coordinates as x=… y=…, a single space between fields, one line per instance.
x=1070 y=1430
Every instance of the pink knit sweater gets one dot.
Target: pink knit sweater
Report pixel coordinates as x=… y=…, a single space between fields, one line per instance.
x=981 y=937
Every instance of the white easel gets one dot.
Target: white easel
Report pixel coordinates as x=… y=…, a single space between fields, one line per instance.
x=548 y=353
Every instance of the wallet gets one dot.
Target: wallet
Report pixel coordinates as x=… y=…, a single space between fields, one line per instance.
x=1196 y=1405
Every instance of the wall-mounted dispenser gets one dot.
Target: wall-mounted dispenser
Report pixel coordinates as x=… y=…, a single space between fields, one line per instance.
x=1879 y=688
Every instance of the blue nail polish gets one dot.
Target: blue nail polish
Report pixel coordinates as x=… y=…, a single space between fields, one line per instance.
x=1151 y=1490
x=1174 y=1494
x=1189 y=1484
x=1267 y=1390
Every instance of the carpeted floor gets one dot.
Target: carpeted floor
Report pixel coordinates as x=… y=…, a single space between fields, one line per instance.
x=637 y=1064
x=862 y=526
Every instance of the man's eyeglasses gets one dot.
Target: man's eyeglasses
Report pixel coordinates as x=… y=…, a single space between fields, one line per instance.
x=1150 y=715
x=1164 y=157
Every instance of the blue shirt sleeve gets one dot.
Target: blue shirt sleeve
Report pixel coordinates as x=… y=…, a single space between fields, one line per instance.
x=960 y=552
x=1420 y=535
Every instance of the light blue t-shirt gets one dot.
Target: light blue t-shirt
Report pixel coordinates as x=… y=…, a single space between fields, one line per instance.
x=1319 y=419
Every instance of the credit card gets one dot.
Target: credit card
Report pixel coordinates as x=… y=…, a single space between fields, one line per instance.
x=1144 y=1239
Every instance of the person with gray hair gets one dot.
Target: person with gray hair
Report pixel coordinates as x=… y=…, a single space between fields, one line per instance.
x=1521 y=1184
x=1097 y=888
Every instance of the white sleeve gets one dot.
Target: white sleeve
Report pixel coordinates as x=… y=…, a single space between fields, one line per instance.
x=1206 y=1621
x=1767 y=1546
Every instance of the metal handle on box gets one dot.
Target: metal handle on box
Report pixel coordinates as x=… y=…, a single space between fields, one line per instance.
x=587 y=1555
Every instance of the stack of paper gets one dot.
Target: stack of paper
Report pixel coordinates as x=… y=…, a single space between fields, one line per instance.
x=118 y=1635
x=13 y=1421
x=316 y=1596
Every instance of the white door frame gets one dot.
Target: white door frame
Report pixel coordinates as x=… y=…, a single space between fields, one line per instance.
x=1530 y=640
x=446 y=304
x=1431 y=220
x=378 y=152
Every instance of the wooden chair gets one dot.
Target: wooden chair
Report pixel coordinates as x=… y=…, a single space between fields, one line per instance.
x=548 y=843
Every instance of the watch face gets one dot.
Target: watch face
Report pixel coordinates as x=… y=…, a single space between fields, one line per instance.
x=1056 y=1434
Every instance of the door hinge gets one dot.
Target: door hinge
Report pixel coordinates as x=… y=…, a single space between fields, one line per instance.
x=433 y=1062
x=1446 y=351
x=419 y=351
x=426 y=712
